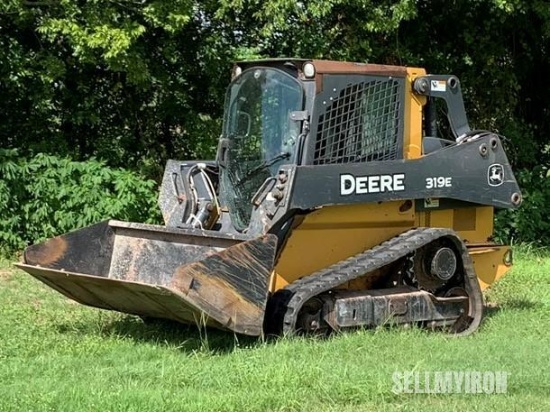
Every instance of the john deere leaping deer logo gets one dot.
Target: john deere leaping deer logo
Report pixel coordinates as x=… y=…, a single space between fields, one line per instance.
x=495 y=175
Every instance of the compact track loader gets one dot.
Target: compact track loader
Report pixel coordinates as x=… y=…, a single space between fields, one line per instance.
x=332 y=204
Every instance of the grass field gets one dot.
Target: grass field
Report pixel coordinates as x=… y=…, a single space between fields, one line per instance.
x=59 y=356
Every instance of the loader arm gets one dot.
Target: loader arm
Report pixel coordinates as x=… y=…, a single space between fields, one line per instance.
x=476 y=171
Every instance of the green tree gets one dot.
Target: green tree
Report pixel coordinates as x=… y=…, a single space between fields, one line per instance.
x=130 y=82
x=135 y=82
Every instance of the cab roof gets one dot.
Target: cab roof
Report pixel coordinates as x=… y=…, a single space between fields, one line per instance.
x=329 y=66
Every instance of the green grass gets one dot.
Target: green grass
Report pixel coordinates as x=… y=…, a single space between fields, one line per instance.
x=59 y=356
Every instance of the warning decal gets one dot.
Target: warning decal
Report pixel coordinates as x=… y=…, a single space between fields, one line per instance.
x=438 y=85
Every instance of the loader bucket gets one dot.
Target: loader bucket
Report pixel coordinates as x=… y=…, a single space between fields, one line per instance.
x=187 y=275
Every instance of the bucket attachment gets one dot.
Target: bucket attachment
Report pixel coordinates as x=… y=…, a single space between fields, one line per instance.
x=187 y=275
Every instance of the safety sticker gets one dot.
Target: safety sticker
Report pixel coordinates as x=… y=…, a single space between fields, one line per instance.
x=438 y=85
x=431 y=202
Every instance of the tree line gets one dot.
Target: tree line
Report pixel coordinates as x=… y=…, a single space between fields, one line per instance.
x=131 y=83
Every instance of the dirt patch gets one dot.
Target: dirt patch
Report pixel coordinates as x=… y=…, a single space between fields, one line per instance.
x=5 y=274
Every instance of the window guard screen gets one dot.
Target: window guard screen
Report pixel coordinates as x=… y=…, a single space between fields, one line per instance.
x=360 y=124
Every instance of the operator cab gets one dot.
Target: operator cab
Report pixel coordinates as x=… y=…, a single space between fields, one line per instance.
x=281 y=113
x=258 y=134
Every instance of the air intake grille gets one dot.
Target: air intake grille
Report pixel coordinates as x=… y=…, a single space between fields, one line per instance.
x=360 y=125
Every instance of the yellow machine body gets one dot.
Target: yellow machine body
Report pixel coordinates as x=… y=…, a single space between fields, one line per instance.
x=333 y=233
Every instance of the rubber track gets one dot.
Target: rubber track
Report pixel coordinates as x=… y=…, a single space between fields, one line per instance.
x=300 y=291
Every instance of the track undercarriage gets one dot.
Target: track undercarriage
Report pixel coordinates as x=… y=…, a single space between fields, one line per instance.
x=423 y=277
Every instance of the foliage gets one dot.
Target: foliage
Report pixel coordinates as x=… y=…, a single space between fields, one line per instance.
x=45 y=196
x=134 y=83
x=338 y=29
x=131 y=83
x=530 y=222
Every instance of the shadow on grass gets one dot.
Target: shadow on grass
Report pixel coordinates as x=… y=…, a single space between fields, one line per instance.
x=193 y=339
x=186 y=338
x=492 y=308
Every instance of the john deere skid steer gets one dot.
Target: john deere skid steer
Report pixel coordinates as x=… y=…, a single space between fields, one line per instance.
x=332 y=204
